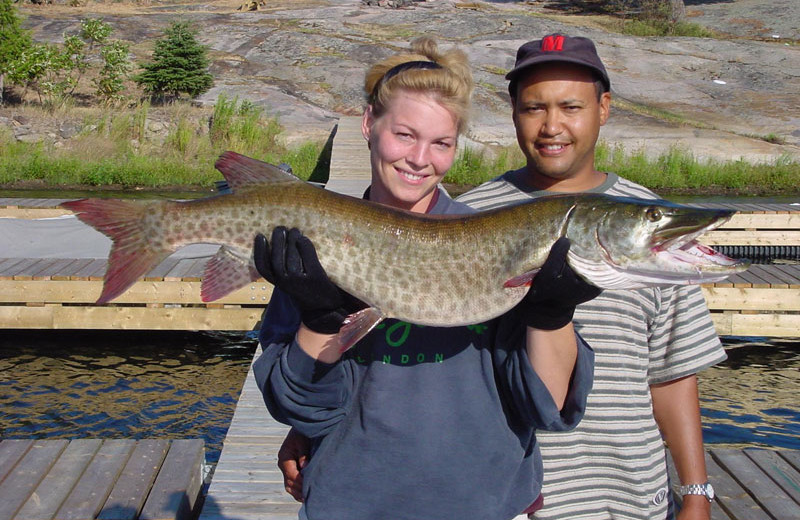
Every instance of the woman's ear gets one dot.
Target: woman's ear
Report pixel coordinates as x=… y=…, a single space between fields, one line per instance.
x=366 y=122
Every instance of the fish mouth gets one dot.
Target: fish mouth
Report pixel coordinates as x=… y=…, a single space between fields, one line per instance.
x=678 y=243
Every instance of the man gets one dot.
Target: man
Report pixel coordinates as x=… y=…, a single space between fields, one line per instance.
x=649 y=343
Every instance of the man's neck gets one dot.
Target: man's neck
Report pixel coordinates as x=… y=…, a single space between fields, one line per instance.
x=579 y=183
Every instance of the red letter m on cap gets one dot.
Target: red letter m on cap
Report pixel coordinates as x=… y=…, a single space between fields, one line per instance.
x=552 y=43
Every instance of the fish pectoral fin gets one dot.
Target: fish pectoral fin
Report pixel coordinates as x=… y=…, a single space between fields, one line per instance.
x=522 y=280
x=224 y=273
x=358 y=325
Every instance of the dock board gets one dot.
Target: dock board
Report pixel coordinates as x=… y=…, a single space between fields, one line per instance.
x=246 y=483
x=86 y=479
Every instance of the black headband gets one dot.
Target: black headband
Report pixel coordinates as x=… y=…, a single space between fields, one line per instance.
x=397 y=69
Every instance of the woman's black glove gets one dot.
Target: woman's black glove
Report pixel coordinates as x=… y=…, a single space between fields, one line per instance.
x=555 y=292
x=289 y=262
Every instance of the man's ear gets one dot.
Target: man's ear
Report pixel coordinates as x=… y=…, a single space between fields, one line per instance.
x=605 y=107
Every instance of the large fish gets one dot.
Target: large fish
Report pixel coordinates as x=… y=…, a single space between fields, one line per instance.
x=429 y=270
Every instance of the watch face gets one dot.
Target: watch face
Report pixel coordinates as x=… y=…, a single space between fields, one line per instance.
x=710 y=492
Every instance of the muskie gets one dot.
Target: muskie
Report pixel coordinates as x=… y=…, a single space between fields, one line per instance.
x=424 y=269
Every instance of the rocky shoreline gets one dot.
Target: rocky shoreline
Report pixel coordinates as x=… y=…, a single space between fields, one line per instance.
x=303 y=62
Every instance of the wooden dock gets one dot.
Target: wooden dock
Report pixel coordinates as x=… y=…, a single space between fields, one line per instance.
x=751 y=484
x=87 y=479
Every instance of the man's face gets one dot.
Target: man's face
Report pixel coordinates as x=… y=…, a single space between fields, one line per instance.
x=558 y=117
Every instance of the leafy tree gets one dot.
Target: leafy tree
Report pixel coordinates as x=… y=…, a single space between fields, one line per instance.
x=179 y=65
x=116 y=65
x=13 y=40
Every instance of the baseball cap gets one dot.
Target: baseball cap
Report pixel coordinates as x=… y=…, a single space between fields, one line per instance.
x=559 y=47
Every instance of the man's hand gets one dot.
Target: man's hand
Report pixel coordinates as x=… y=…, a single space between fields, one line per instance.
x=292 y=457
x=556 y=291
x=289 y=261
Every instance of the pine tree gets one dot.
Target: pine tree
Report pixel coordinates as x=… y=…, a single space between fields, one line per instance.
x=179 y=65
x=13 y=40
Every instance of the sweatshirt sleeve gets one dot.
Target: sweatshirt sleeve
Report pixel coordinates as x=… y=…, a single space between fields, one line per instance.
x=298 y=390
x=525 y=392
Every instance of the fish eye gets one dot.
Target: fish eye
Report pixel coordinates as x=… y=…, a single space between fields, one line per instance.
x=653 y=214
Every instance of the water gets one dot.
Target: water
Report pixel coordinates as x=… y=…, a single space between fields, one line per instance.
x=73 y=384
x=70 y=384
x=751 y=399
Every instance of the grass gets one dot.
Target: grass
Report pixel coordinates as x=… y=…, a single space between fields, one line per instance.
x=152 y=147
x=175 y=146
x=675 y=171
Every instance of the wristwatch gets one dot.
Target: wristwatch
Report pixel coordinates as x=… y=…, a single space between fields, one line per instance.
x=699 y=489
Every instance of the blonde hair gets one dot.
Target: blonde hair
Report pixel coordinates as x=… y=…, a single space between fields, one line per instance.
x=450 y=83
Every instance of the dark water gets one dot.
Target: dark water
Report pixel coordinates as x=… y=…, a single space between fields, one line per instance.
x=183 y=384
x=57 y=384
x=753 y=399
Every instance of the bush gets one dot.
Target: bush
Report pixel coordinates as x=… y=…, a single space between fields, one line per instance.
x=179 y=65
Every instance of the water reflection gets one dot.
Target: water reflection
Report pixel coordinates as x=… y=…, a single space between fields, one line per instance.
x=116 y=384
x=752 y=398
x=121 y=385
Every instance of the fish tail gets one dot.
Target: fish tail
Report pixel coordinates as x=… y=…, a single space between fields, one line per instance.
x=132 y=254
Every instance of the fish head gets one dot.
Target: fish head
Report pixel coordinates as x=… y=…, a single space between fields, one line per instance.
x=625 y=243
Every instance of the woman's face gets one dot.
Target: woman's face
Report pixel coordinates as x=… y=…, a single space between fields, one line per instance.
x=412 y=145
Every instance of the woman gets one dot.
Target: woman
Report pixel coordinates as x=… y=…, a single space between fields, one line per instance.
x=418 y=422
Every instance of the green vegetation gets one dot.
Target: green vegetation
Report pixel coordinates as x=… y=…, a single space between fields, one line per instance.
x=671 y=172
x=678 y=170
x=123 y=150
x=14 y=40
x=180 y=65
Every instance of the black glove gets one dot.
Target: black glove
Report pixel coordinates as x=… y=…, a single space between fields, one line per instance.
x=555 y=292
x=289 y=262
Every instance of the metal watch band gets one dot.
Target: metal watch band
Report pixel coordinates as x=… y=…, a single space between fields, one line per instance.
x=704 y=489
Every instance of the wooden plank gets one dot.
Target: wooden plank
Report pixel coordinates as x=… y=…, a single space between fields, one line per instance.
x=213 y=510
x=7 y=266
x=792 y=457
x=792 y=271
x=32 y=269
x=731 y=497
x=133 y=485
x=91 y=491
x=759 y=237
x=775 y=325
x=763 y=489
x=776 y=278
x=25 y=263
x=177 y=487
x=778 y=469
x=26 y=475
x=763 y=221
x=95 y=268
x=129 y=318
x=85 y=291
x=45 y=501
x=162 y=269
x=11 y=451
x=736 y=298
x=182 y=269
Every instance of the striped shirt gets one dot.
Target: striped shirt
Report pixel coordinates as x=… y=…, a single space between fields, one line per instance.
x=612 y=466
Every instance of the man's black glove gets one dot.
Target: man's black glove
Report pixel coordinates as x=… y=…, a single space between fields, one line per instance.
x=289 y=262
x=555 y=292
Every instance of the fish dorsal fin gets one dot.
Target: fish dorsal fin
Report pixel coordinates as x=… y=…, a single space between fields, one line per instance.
x=240 y=170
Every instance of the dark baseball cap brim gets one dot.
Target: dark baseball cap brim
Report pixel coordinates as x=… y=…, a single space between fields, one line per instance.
x=520 y=68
